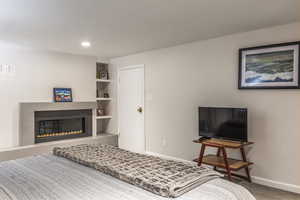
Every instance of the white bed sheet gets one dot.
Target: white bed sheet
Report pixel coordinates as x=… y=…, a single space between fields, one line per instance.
x=48 y=177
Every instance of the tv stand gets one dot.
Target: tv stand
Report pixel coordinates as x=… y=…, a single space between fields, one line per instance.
x=222 y=161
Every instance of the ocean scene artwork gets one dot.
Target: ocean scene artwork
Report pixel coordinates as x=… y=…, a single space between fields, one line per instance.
x=270 y=67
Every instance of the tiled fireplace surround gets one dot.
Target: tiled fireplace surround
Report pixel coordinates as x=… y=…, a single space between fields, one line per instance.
x=45 y=122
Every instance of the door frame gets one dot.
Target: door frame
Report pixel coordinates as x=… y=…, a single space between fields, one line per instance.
x=129 y=67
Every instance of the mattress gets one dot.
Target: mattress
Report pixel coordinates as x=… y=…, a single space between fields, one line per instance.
x=48 y=177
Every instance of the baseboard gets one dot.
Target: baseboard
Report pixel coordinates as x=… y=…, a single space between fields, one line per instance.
x=255 y=179
x=169 y=157
x=276 y=184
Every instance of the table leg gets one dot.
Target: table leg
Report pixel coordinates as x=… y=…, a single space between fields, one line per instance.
x=201 y=154
x=218 y=154
x=226 y=163
x=245 y=160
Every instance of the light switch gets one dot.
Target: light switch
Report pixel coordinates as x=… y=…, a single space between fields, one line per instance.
x=7 y=69
x=7 y=72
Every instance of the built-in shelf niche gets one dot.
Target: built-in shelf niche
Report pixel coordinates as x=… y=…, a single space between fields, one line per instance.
x=103 y=81
x=103 y=98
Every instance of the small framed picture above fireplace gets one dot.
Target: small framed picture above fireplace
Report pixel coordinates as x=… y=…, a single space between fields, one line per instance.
x=62 y=94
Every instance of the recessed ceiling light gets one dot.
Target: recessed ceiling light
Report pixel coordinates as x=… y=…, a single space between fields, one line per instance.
x=85 y=44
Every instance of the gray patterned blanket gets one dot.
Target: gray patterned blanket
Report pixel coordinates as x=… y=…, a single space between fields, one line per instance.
x=167 y=178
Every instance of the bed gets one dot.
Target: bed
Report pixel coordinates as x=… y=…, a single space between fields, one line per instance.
x=50 y=177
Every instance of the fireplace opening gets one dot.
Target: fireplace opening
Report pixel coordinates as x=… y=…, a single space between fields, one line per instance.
x=59 y=125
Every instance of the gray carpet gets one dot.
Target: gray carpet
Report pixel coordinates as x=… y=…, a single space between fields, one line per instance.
x=266 y=193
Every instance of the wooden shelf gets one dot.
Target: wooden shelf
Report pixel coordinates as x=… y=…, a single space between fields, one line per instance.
x=218 y=161
x=103 y=99
x=103 y=80
x=104 y=117
x=223 y=143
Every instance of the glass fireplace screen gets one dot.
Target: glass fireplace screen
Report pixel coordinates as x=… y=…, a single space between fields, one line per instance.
x=61 y=127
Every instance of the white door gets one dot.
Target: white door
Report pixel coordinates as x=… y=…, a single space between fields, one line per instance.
x=131 y=108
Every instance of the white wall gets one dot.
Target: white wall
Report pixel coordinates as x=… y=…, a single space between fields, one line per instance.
x=37 y=73
x=181 y=78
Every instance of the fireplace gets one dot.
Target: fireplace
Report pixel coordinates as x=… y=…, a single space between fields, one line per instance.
x=62 y=124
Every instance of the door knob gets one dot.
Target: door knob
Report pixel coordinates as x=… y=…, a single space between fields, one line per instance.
x=140 y=109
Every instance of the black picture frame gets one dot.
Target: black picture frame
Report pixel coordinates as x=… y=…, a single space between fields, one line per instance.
x=59 y=97
x=264 y=50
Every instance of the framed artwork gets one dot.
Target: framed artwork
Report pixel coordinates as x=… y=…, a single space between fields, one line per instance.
x=62 y=94
x=269 y=67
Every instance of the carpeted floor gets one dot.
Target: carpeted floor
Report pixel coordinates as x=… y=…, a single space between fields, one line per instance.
x=266 y=193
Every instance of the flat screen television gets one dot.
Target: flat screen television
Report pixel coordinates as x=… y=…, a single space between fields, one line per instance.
x=223 y=123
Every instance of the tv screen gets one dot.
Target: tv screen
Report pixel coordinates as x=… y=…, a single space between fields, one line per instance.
x=224 y=123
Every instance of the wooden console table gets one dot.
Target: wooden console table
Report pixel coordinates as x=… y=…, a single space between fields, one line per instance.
x=218 y=161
